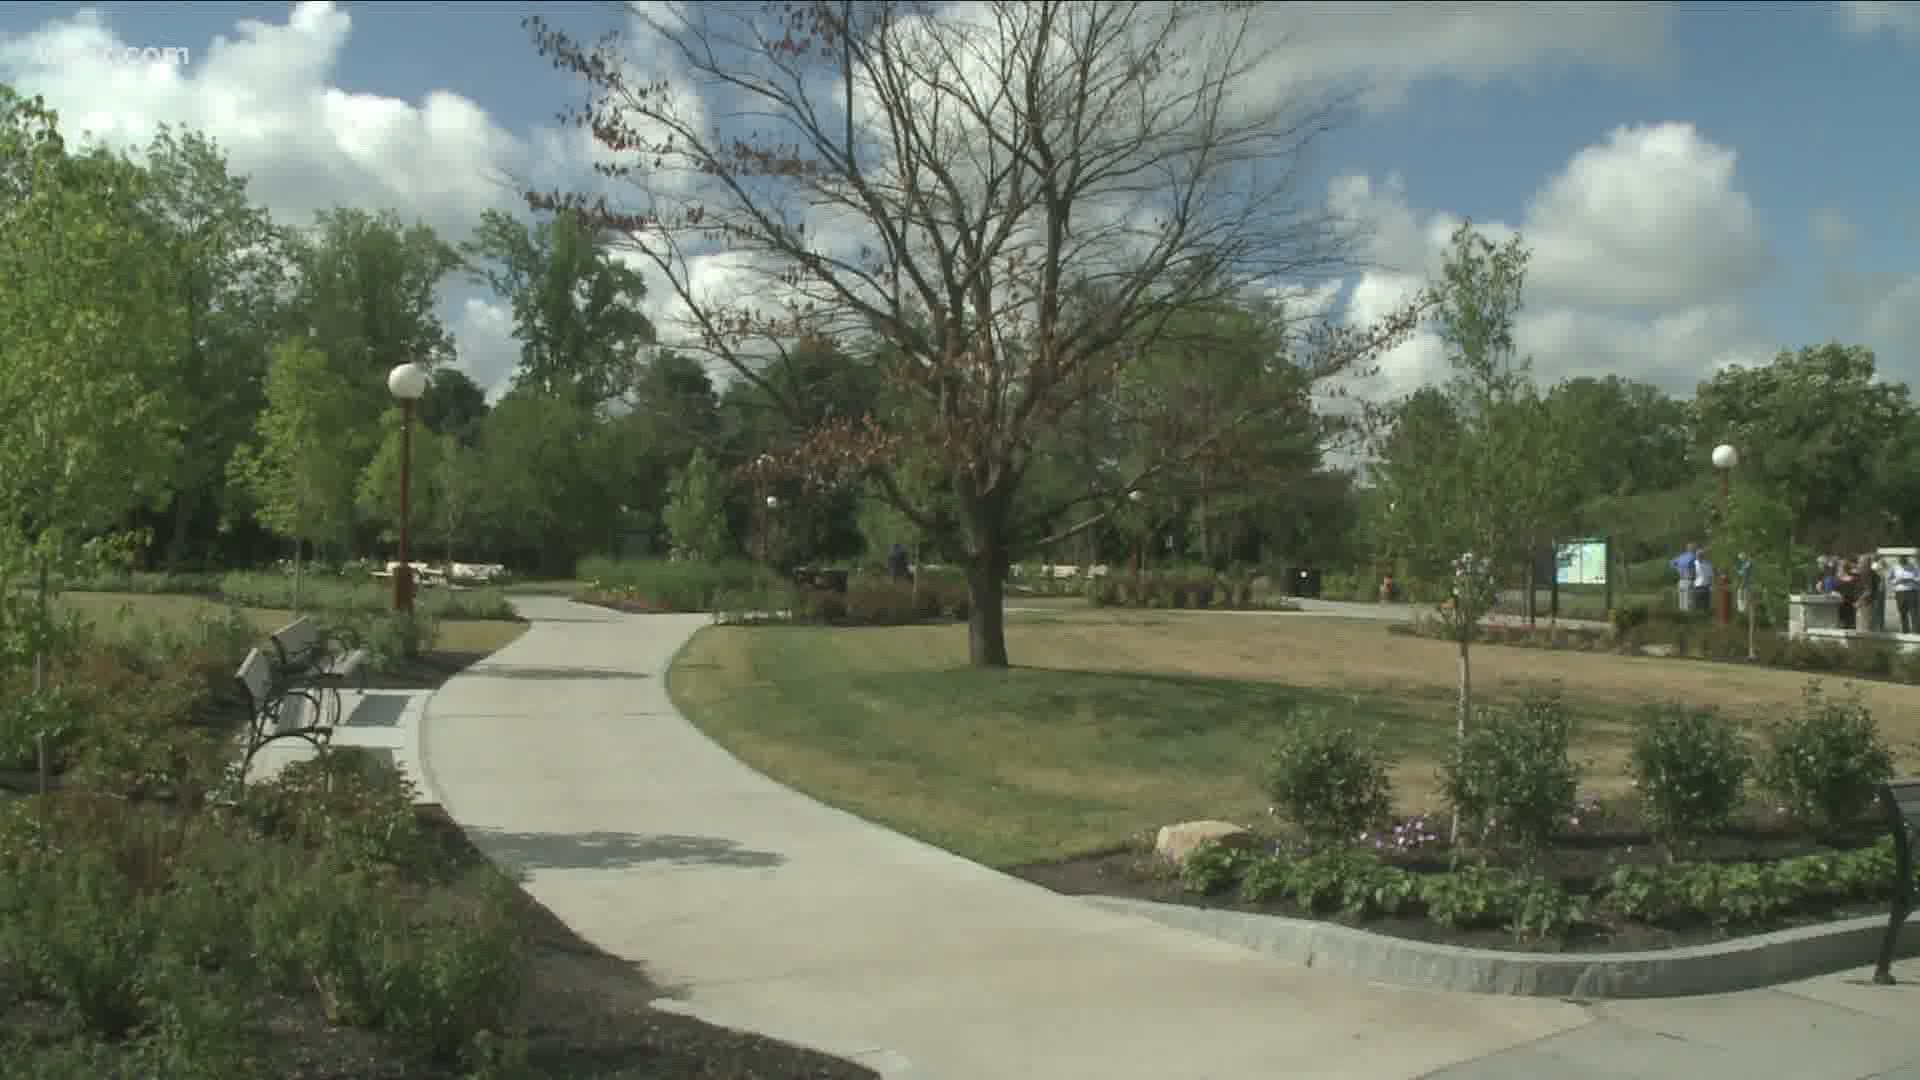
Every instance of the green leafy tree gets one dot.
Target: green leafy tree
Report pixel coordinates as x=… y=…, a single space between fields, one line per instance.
x=378 y=495
x=368 y=290
x=453 y=405
x=545 y=461
x=85 y=317
x=302 y=467
x=1759 y=530
x=226 y=270
x=1810 y=427
x=696 y=513
x=576 y=309
x=1466 y=474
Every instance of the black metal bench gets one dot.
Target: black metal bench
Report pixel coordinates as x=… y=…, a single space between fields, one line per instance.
x=294 y=686
x=1900 y=799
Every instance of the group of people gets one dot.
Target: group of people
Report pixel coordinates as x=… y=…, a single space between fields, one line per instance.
x=1695 y=583
x=1862 y=584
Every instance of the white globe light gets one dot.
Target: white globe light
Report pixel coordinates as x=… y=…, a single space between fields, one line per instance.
x=1136 y=496
x=1725 y=456
x=407 y=381
x=773 y=502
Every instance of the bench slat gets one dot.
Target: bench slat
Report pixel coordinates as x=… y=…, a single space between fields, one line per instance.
x=256 y=674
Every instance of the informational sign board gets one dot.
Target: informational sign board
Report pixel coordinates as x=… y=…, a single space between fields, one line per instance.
x=1581 y=562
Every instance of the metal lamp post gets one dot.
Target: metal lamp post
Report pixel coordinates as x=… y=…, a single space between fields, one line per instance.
x=407 y=382
x=1725 y=457
x=766 y=532
x=1140 y=542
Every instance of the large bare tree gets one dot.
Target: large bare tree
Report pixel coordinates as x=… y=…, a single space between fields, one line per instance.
x=1012 y=197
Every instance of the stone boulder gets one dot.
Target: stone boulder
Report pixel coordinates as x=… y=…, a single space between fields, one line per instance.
x=1176 y=842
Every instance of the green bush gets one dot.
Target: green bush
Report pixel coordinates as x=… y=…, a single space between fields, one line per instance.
x=457 y=976
x=1825 y=760
x=1212 y=868
x=667 y=584
x=346 y=804
x=1512 y=774
x=1328 y=778
x=1690 y=766
x=355 y=593
x=392 y=638
x=1527 y=905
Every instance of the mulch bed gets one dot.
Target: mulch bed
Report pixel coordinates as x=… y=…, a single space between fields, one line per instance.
x=428 y=671
x=1576 y=860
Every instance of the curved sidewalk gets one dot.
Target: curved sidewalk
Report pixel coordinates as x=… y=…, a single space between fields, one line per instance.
x=767 y=911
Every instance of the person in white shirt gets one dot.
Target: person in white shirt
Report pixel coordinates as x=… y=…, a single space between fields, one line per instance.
x=1906 y=593
x=1702 y=582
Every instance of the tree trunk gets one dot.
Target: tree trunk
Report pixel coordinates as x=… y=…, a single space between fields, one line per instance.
x=986 y=528
x=1464 y=665
x=987 y=623
x=186 y=506
x=299 y=546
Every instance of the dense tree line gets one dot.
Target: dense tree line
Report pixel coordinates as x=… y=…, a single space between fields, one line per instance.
x=209 y=384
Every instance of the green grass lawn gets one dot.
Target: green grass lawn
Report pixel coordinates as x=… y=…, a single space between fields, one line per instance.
x=1123 y=721
x=121 y=613
x=1015 y=766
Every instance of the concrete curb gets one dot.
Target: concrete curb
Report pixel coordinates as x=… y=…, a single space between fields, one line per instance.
x=1740 y=964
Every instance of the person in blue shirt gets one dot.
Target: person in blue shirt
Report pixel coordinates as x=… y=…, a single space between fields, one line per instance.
x=1683 y=566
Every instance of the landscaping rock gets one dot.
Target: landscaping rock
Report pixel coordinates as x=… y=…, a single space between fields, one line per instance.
x=1656 y=650
x=1176 y=842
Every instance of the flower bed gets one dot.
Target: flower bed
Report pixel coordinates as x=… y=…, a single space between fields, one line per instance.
x=1606 y=886
x=1692 y=856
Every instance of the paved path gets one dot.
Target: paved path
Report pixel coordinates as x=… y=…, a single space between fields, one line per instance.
x=384 y=722
x=768 y=911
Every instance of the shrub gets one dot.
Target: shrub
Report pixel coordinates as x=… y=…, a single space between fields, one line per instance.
x=669 y=584
x=1211 y=868
x=1690 y=765
x=1328 y=778
x=392 y=638
x=457 y=976
x=346 y=804
x=1625 y=620
x=1512 y=773
x=1825 y=760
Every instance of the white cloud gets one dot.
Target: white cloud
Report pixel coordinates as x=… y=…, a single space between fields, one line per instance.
x=267 y=94
x=1880 y=309
x=1390 y=46
x=1642 y=248
x=488 y=350
x=1898 y=17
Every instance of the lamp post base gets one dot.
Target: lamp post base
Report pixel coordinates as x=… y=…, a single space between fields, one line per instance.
x=403 y=588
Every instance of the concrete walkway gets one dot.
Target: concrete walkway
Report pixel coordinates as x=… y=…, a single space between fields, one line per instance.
x=765 y=910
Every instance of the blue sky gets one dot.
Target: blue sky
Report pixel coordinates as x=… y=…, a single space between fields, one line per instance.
x=1776 y=207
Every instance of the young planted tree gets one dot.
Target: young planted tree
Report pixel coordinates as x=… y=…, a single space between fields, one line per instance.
x=696 y=513
x=1011 y=197
x=85 y=319
x=1463 y=473
x=303 y=466
x=1758 y=528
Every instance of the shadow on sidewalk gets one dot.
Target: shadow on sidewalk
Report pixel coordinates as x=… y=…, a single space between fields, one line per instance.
x=516 y=671
x=616 y=850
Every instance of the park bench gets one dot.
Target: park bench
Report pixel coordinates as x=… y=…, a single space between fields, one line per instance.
x=1900 y=799
x=293 y=688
